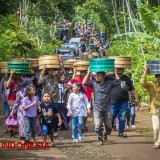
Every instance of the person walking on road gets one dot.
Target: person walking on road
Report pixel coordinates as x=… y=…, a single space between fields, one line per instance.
x=50 y=84
x=119 y=99
x=78 y=106
x=154 y=92
x=102 y=103
x=30 y=103
x=48 y=110
x=88 y=91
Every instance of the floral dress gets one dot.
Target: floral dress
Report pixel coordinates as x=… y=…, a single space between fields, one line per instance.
x=17 y=108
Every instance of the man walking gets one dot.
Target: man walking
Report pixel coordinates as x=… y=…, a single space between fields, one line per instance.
x=119 y=99
x=102 y=103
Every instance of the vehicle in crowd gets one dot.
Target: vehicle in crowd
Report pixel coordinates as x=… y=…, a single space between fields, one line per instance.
x=67 y=53
x=76 y=40
x=73 y=46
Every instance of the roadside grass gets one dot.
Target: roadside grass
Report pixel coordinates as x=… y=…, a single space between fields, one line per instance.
x=144 y=123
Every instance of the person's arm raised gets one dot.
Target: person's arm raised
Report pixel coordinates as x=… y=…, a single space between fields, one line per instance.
x=8 y=84
x=116 y=74
x=74 y=74
x=41 y=77
x=143 y=78
x=86 y=77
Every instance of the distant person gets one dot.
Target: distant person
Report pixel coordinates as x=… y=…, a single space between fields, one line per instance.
x=83 y=47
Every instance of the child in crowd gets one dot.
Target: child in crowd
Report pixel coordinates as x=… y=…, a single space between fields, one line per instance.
x=77 y=107
x=50 y=84
x=48 y=111
x=17 y=109
x=61 y=105
x=66 y=97
x=30 y=105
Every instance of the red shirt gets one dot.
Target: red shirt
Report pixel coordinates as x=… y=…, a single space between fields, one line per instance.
x=88 y=90
x=14 y=88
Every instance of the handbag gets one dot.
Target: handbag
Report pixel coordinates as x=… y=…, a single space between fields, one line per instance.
x=12 y=121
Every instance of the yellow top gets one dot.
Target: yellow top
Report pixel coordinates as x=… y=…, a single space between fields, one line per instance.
x=154 y=92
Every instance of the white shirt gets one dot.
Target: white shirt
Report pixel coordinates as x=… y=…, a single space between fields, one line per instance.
x=61 y=92
x=78 y=103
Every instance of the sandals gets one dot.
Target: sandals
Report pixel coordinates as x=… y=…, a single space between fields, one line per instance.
x=52 y=144
x=55 y=134
x=100 y=143
x=105 y=139
x=85 y=129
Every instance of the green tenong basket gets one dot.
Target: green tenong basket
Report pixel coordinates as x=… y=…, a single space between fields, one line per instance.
x=101 y=64
x=91 y=46
x=19 y=67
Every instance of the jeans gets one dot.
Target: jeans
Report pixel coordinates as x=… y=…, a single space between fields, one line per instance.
x=120 y=110
x=47 y=128
x=102 y=117
x=131 y=113
x=6 y=110
x=77 y=122
x=30 y=124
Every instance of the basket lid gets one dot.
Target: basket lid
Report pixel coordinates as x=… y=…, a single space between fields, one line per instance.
x=20 y=63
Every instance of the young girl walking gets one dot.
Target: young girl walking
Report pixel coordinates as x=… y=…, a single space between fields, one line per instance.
x=77 y=106
x=48 y=111
x=30 y=105
x=61 y=104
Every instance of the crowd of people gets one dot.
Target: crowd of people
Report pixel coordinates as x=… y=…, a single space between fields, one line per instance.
x=90 y=36
x=47 y=101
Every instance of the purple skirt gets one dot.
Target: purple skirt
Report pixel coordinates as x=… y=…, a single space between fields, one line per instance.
x=63 y=112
